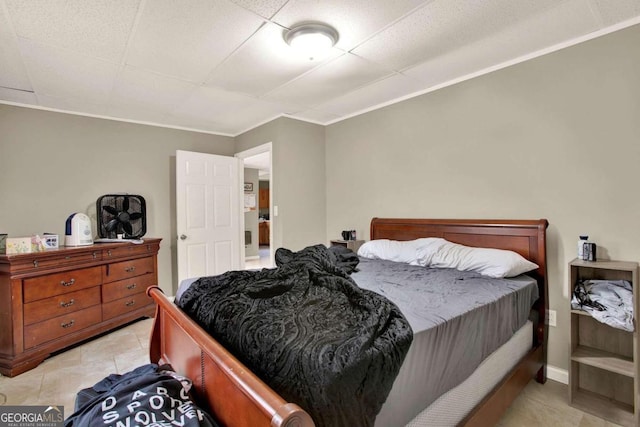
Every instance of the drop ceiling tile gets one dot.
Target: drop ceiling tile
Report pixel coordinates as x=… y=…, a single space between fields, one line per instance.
x=13 y=73
x=70 y=53
x=198 y=124
x=341 y=75
x=232 y=112
x=265 y=62
x=355 y=20
x=265 y=8
x=189 y=41
x=220 y=129
x=208 y=103
x=250 y=113
x=137 y=113
x=5 y=23
x=147 y=90
x=613 y=12
x=66 y=74
x=441 y=26
x=80 y=106
x=566 y=21
x=97 y=28
x=316 y=116
x=239 y=124
x=18 y=96
x=383 y=91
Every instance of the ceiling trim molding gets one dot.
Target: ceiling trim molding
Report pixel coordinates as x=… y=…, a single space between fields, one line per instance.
x=602 y=32
x=115 y=119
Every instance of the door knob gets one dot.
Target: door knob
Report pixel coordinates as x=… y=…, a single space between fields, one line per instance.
x=182 y=237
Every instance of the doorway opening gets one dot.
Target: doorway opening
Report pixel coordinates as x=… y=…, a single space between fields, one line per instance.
x=258 y=207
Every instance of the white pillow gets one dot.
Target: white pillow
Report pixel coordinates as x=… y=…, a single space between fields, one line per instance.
x=414 y=252
x=497 y=263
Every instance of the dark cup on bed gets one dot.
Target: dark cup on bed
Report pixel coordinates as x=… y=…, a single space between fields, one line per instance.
x=346 y=234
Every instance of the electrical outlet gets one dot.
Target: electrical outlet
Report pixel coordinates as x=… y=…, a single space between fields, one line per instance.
x=551 y=317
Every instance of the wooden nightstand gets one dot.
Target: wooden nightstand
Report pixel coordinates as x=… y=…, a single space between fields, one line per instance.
x=604 y=367
x=354 y=245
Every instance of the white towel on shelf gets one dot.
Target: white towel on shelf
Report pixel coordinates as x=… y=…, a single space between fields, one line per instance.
x=616 y=296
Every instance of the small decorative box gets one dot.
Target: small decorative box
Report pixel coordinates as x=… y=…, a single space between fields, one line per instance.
x=3 y=243
x=18 y=245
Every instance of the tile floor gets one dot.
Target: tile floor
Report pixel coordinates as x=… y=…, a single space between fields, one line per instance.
x=57 y=380
x=545 y=406
x=263 y=262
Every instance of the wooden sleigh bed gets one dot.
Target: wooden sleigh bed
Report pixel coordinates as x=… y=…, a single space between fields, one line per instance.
x=238 y=398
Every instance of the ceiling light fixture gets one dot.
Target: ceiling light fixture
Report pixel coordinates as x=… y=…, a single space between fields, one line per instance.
x=312 y=40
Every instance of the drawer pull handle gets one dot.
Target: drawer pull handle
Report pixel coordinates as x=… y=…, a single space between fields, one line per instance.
x=35 y=263
x=67 y=325
x=69 y=283
x=109 y=253
x=131 y=286
x=95 y=255
x=67 y=304
x=130 y=269
x=67 y=257
x=130 y=303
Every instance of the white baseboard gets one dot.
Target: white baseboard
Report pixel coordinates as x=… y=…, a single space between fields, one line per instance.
x=557 y=374
x=248 y=258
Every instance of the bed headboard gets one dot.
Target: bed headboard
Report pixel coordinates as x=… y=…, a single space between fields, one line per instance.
x=526 y=237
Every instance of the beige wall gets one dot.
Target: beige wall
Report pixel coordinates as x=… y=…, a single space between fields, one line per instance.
x=557 y=137
x=53 y=164
x=251 y=217
x=298 y=187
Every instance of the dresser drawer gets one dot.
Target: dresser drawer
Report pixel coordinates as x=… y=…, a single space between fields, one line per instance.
x=60 y=326
x=125 y=305
x=53 y=259
x=128 y=251
x=60 y=283
x=59 y=305
x=126 y=269
x=122 y=288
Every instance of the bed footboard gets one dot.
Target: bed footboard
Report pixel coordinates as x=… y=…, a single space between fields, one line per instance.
x=225 y=387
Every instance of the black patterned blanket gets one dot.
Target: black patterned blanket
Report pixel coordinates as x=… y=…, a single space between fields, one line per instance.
x=307 y=330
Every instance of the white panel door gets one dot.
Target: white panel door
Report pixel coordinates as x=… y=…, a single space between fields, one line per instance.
x=207 y=214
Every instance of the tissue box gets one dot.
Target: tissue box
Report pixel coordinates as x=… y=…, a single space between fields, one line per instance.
x=18 y=245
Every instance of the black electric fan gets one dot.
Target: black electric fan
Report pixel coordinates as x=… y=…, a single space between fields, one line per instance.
x=121 y=214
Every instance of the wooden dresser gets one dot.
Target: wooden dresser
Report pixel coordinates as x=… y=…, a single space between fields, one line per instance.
x=51 y=300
